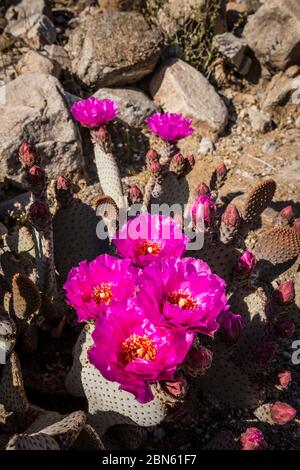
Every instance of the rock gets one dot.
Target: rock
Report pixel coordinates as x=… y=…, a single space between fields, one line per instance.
x=180 y=88
x=297 y=122
x=33 y=61
x=281 y=87
x=273 y=33
x=121 y=5
x=25 y=8
x=114 y=49
x=206 y=146
x=36 y=29
x=36 y=109
x=174 y=13
x=134 y=105
x=260 y=121
x=58 y=55
x=234 y=50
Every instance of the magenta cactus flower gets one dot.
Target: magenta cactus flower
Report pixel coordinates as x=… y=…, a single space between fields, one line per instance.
x=246 y=263
x=231 y=326
x=282 y=413
x=253 y=439
x=92 y=287
x=93 y=112
x=148 y=238
x=203 y=209
x=171 y=127
x=131 y=350
x=184 y=294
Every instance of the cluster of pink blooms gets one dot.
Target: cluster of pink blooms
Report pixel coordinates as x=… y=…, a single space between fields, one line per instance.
x=148 y=305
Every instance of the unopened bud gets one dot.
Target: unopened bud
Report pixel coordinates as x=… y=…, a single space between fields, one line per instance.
x=199 y=360
x=39 y=215
x=191 y=160
x=253 y=439
x=245 y=264
x=285 y=293
x=282 y=413
x=178 y=164
x=265 y=353
x=296 y=225
x=27 y=154
x=231 y=327
x=287 y=213
x=231 y=216
x=152 y=156
x=62 y=183
x=102 y=134
x=203 y=189
x=135 y=194
x=221 y=171
x=176 y=388
x=285 y=378
x=155 y=168
x=203 y=211
x=36 y=178
x=285 y=328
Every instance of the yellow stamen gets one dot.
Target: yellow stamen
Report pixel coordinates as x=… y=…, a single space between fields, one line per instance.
x=182 y=299
x=148 y=247
x=102 y=293
x=137 y=346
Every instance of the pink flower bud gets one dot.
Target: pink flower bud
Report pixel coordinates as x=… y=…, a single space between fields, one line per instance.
x=177 y=164
x=287 y=213
x=152 y=156
x=221 y=170
x=176 y=388
x=135 y=194
x=36 y=177
x=231 y=327
x=246 y=263
x=285 y=379
x=39 y=215
x=62 y=183
x=191 y=159
x=253 y=439
x=203 y=209
x=102 y=134
x=231 y=216
x=203 y=190
x=27 y=154
x=200 y=360
x=282 y=413
x=264 y=353
x=296 y=225
x=155 y=168
x=285 y=328
x=285 y=293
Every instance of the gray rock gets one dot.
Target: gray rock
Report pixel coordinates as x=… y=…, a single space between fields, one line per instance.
x=33 y=61
x=206 y=146
x=260 y=121
x=58 y=55
x=234 y=50
x=36 y=29
x=273 y=33
x=180 y=88
x=26 y=8
x=134 y=105
x=35 y=108
x=113 y=49
x=281 y=87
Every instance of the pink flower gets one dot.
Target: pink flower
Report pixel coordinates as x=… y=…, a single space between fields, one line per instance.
x=93 y=112
x=184 y=293
x=148 y=238
x=92 y=287
x=246 y=263
x=131 y=350
x=253 y=439
x=203 y=209
x=282 y=413
x=170 y=126
x=231 y=326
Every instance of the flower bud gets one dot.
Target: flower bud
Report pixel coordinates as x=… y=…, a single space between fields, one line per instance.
x=287 y=213
x=36 y=178
x=27 y=154
x=282 y=413
x=296 y=225
x=264 y=353
x=155 y=168
x=285 y=328
x=102 y=134
x=203 y=210
x=285 y=293
x=253 y=439
x=39 y=215
x=203 y=190
x=62 y=183
x=246 y=263
x=231 y=216
x=152 y=156
x=221 y=171
x=176 y=388
x=135 y=194
x=199 y=360
x=284 y=379
x=191 y=160
x=231 y=327
x=177 y=164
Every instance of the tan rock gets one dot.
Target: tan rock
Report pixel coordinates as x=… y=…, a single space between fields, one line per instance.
x=33 y=61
